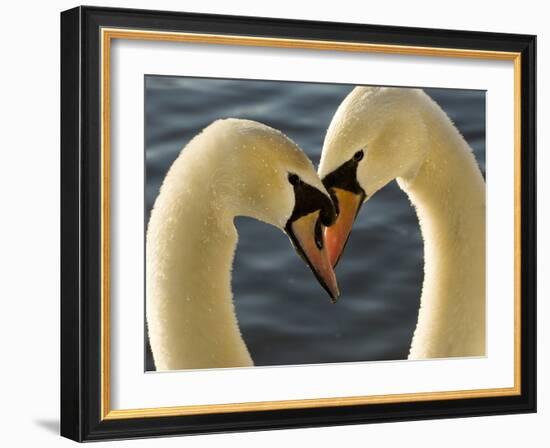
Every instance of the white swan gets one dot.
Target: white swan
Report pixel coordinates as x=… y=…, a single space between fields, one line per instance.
x=381 y=134
x=234 y=167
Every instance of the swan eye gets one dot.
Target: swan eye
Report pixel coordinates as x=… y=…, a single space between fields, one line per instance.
x=358 y=156
x=294 y=179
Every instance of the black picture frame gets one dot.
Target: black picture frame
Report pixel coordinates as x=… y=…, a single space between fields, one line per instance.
x=81 y=382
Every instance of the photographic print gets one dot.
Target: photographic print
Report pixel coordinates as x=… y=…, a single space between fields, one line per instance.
x=297 y=223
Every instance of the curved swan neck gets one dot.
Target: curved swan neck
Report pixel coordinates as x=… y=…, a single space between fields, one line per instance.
x=190 y=249
x=448 y=193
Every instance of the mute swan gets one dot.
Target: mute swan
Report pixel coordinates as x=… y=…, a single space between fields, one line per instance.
x=233 y=168
x=381 y=134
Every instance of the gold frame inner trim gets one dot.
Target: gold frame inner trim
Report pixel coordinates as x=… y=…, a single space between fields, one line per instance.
x=107 y=35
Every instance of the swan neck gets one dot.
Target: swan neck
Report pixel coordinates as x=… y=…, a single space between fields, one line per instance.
x=190 y=250
x=448 y=194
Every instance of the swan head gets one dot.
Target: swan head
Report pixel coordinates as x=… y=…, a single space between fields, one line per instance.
x=376 y=135
x=263 y=174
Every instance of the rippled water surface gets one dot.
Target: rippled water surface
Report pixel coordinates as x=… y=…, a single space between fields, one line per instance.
x=285 y=316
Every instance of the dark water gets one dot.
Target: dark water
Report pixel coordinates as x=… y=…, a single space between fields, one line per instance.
x=285 y=316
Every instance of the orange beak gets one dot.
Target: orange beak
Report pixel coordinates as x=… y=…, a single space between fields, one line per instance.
x=336 y=236
x=307 y=237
